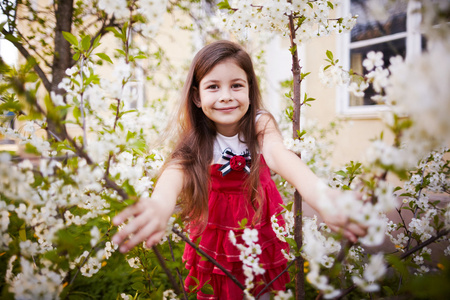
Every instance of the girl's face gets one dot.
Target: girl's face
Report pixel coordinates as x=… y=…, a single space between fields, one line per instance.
x=224 y=96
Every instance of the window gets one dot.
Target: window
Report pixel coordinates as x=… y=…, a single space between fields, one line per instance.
x=396 y=34
x=135 y=88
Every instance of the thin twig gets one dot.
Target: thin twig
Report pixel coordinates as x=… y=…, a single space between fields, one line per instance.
x=403 y=256
x=212 y=260
x=278 y=276
x=83 y=118
x=166 y=270
x=57 y=158
x=180 y=278
x=424 y=244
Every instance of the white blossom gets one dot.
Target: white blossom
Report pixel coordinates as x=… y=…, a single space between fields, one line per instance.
x=169 y=295
x=134 y=262
x=373 y=60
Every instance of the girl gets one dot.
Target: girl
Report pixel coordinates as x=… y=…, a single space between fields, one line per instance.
x=220 y=171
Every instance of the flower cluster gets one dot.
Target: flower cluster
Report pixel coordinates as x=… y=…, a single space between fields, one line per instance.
x=34 y=282
x=305 y=146
x=169 y=295
x=282 y=295
x=249 y=257
x=313 y=18
x=169 y=232
x=333 y=74
x=134 y=262
x=373 y=271
x=283 y=232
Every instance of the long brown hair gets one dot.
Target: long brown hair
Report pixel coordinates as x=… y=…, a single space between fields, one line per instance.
x=196 y=133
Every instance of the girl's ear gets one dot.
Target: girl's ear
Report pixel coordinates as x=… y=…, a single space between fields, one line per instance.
x=196 y=97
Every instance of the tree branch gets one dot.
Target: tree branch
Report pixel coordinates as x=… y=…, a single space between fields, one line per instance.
x=424 y=244
x=28 y=56
x=180 y=278
x=212 y=260
x=403 y=256
x=166 y=270
x=296 y=73
x=278 y=276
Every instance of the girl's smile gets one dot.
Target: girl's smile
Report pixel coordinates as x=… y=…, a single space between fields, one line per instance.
x=224 y=96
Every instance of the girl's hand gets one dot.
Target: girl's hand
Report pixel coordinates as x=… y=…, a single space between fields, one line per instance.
x=147 y=221
x=339 y=221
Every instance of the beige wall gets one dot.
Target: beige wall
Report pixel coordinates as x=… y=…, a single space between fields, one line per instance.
x=356 y=132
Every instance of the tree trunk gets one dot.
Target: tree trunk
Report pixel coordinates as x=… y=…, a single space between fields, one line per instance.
x=62 y=58
x=296 y=72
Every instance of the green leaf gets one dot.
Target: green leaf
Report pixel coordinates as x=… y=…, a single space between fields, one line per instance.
x=224 y=5
x=124 y=31
x=96 y=42
x=76 y=56
x=11 y=38
x=288 y=206
x=330 y=5
x=243 y=222
x=104 y=57
x=31 y=149
x=140 y=56
x=388 y=290
x=301 y=134
x=330 y=55
x=207 y=289
x=293 y=49
x=22 y=233
x=195 y=279
x=398 y=264
x=341 y=173
x=303 y=75
x=70 y=38
x=121 y=52
x=76 y=113
x=86 y=42
x=129 y=189
x=115 y=31
x=292 y=243
x=138 y=286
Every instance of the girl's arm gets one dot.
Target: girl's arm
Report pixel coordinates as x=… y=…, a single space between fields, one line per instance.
x=147 y=219
x=289 y=166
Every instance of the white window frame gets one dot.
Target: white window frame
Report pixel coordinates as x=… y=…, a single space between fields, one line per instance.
x=138 y=85
x=413 y=47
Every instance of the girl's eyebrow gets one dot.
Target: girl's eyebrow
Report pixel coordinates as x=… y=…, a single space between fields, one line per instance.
x=232 y=80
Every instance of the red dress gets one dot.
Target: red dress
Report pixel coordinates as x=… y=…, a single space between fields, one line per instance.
x=228 y=205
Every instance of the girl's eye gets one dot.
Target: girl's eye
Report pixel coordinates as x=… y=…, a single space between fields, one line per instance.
x=236 y=85
x=213 y=87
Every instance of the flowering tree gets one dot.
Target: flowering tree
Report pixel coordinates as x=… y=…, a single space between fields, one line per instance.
x=418 y=144
x=85 y=142
x=55 y=207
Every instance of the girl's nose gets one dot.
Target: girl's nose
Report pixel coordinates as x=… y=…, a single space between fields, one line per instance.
x=226 y=96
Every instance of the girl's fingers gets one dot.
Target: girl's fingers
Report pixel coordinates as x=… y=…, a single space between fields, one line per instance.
x=351 y=230
x=351 y=236
x=356 y=229
x=125 y=214
x=154 y=239
x=134 y=226
x=142 y=234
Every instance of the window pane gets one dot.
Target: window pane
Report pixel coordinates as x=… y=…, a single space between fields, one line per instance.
x=368 y=27
x=389 y=49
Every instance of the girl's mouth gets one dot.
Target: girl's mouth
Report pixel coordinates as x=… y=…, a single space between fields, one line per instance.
x=226 y=109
